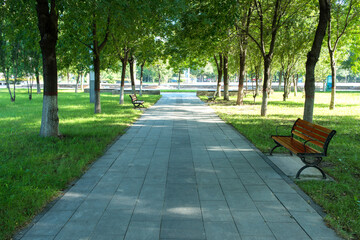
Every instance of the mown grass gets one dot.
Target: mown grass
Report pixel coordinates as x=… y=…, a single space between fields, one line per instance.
x=341 y=198
x=34 y=170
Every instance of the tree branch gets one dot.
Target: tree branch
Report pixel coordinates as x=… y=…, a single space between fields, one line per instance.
x=101 y=46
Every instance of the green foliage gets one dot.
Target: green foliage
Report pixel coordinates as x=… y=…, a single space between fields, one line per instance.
x=34 y=170
x=339 y=198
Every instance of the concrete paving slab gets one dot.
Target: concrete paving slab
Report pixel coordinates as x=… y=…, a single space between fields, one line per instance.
x=180 y=172
x=290 y=165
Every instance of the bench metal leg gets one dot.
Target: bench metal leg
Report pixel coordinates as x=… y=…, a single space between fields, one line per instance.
x=314 y=165
x=277 y=145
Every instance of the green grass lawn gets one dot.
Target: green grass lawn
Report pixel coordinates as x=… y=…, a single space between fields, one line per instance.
x=34 y=170
x=341 y=198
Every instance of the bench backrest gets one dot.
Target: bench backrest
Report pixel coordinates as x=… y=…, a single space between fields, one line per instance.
x=315 y=134
x=133 y=97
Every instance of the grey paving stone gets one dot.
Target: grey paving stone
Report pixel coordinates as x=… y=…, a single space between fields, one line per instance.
x=258 y=237
x=216 y=211
x=226 y=173
x=113 y=222
x=193 y=229
x=268 y=173
x=285 y=231
x=153 y=191
x=76 y=230
x=148 y=212
x=105 y=236
x=294 y=202
x=85 y=216
x=70 y=201
x=279 y=186
x=274 y=212
x=314 y=225
x=37 y=238
x=137 y=171
x=221 y=163
x=180 y=210
x=185 y=191
x=221 y=230
x=231 y=185
x=242 y=167
x=251 y=223
x=260 y=193
x=50 y=224
x=181 y=179
x=149 y=230
x=206 y=178
x=239 y=201
x=250 y=178
x=210 y=192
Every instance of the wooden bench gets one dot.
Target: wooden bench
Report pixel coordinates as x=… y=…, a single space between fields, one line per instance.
x=304 y=133
x=137 y=103
x=212 y=98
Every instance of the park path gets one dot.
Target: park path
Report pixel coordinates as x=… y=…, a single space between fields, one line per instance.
x=180 y=172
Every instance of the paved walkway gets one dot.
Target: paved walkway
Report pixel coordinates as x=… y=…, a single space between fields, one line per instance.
x=181 y=173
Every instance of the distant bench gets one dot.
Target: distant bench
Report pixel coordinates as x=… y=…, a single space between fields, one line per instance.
x=306 y=132
x=137 y=103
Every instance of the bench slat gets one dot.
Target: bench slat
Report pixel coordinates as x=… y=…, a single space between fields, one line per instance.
x=306 y=138
x=294 y=145
x=310 y=134
x=314 y=127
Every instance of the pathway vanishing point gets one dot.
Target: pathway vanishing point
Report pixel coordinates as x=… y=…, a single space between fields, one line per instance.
x=180 y=172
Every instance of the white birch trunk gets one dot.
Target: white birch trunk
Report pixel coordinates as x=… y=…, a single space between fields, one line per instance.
x=50 y=120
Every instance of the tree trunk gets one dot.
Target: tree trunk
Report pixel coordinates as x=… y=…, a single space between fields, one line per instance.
x=77 y=83
x=179 y=79
x=219 y=66
x=48 y=26
x=257 y=75
x=295 y=81
x=159 y=78
x=267 y=64
x=226 y=78
x=312 y=59
x=96 y=62
x=132 y=77
x=280 y=78
x=31 y=86
x=270 y=84
x=82 y=82
x=286 y=85
x=38 y=87
x=141 y=77
x=123 y=72
x=240 y=95
x=333 y=80
x=8 y=84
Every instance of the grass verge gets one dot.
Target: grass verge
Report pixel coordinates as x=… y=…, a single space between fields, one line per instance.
x=340 y=199
x=34 y=170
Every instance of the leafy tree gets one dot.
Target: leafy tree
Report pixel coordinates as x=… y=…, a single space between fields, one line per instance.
x=342 y=14
x=269 y=17
x=242 y=28
x=88 y=23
